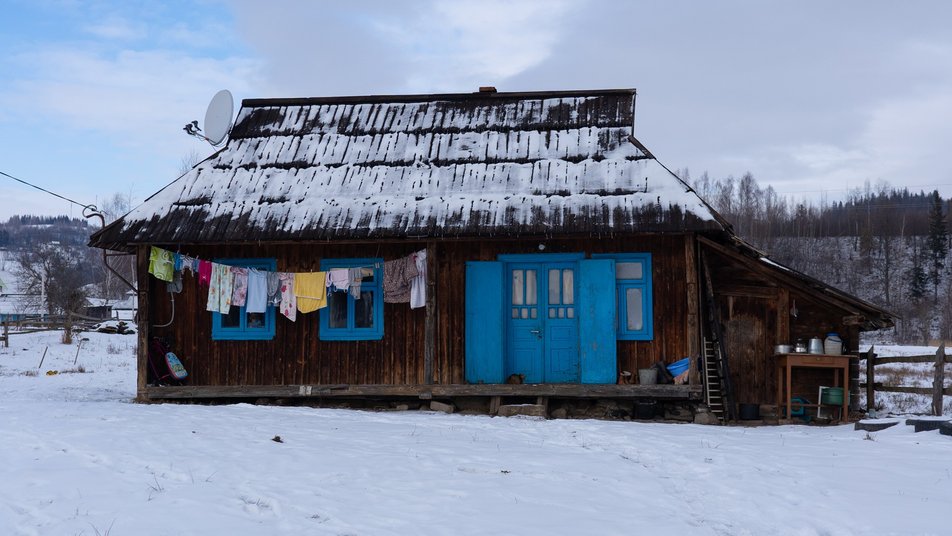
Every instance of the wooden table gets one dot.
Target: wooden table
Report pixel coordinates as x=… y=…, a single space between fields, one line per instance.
x=787 y=362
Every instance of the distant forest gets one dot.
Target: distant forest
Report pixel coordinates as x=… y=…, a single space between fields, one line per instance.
x=22 y=231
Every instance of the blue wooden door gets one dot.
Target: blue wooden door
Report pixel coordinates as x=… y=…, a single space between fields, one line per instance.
x=542 y=340
x=485 y=322
x=561 y=324
x=526 y=339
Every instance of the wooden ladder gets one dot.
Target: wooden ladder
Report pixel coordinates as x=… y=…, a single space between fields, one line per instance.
x=712 y=381
x=715 y=358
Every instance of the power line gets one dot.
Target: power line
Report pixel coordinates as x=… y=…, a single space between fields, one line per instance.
x=84 y=205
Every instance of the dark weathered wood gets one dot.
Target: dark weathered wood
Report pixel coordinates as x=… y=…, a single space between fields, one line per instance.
x=747 y=290
x=925 y=425
x=939 y=380
x=692 y=324
x=854 y=320
x=144 y=318
x=431 y=313
x=914 y=390
x=6 y=335
x=911 y=359
x=672 y=392
x=870 y=379
x=874 y=426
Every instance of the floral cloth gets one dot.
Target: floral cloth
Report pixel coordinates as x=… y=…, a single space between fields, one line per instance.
x=288 y=300
x=220 y=289
x=239 y=292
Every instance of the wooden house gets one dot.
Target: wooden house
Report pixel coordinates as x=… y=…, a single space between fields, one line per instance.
x=557 y=247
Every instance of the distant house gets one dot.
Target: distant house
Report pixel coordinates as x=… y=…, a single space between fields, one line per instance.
x=558 y=248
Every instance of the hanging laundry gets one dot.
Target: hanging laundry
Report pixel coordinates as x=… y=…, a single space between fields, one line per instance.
x=175 y=285
x=188 y=263
x=288 y=300
x=176 y=262
x=396 y=279
x=204 y=273
x=161 y=263
x=220 y=288
x=274 y=288
x=418 y=283
x=355 y=277
x=257 y=292
x=339 y=279
x=310 y=289
x=240 y=292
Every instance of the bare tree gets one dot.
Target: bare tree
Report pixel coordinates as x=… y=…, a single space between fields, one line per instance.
x=57 y=275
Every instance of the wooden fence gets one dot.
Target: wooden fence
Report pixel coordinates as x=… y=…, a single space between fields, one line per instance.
x=937 y=390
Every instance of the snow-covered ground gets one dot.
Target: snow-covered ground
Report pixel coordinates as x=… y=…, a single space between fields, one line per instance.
x=79 y=458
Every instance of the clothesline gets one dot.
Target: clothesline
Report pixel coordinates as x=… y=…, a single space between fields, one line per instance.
x=404 y=280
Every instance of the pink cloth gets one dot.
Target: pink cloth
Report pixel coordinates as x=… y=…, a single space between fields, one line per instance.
x=204 y=273
x=240 y=292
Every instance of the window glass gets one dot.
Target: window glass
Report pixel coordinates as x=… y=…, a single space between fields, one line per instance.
x=629 y=270
x=635 y=312
x=517 y=287
x=337 y=309
x=532 y=291
x=232 y=319
x=364 y=310
x=256 y=320
x=555 y=287
x=568 y=286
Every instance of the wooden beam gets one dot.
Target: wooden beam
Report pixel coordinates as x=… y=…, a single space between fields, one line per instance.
x=693 y=309
x=939 y=380
x=671 y=392
x=748 y=291
x=870 y=379
x=143 y=317
x=431 y=314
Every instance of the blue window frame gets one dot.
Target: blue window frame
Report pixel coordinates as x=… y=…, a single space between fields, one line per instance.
x=239 y=324
x=348 y=319
x=633 y=295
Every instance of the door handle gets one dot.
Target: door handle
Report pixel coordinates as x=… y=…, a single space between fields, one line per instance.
x=535 y=331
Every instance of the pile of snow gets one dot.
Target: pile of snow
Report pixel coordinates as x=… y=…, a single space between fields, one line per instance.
x=80 y=458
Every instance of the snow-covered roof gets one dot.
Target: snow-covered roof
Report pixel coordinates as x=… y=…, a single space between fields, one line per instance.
x=421 y=165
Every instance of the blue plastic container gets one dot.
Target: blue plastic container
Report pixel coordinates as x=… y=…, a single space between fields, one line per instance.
x=678 y=367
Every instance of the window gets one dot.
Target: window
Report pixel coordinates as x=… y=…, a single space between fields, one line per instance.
x=239 y=324
x=632 y=295
x=354 y=319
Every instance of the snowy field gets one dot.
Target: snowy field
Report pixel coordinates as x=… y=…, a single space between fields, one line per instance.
x=79 y=458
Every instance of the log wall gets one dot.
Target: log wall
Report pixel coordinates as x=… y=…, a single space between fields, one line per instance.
x=297 y=356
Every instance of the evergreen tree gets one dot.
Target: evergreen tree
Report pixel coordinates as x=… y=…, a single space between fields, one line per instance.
x=938 y=245
x=918 y=280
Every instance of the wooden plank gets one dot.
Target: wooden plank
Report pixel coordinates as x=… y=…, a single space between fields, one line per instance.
x=939 y=380
x=431 y=313
x=914 y=390
x=671 y=392
x=912 y=359
x=748 y=291
x=870 y=379
x=692 y=323
x=144 y=284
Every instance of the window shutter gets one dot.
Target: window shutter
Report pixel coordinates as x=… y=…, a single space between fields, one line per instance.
x=485 y=325
x=596 y=302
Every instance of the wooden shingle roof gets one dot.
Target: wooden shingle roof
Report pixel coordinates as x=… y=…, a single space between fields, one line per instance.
x=480 y=164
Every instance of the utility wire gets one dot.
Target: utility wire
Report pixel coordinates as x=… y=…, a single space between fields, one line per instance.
x=86 y=206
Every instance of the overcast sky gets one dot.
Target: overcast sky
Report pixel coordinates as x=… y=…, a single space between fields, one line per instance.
x=812 y=97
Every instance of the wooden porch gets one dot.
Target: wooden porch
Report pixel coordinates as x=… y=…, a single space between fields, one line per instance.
x=424 y=392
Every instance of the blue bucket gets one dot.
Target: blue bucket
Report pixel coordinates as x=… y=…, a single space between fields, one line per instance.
x=678 y=367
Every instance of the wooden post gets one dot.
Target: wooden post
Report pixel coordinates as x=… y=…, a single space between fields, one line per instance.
x=870 y=380
x=143 y=316
x=939 y=380
x=693 y=309
x=430 y=326
x=6 y=335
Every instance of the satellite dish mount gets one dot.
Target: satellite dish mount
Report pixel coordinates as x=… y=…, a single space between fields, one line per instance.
x=217 y=120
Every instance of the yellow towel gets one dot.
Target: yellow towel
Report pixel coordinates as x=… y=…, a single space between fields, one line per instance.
x=310 y=288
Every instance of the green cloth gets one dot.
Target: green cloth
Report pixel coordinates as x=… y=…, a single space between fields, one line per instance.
x=161 y=264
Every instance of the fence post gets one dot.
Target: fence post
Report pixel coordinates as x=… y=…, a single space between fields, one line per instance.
x=870 y=380
x=6 y=334
x=937 y=383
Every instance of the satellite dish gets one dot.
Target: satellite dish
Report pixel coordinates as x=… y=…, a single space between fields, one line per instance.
x=218 y=117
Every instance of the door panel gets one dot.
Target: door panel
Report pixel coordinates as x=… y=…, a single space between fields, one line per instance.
x=561 y=325
x=526 y=336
